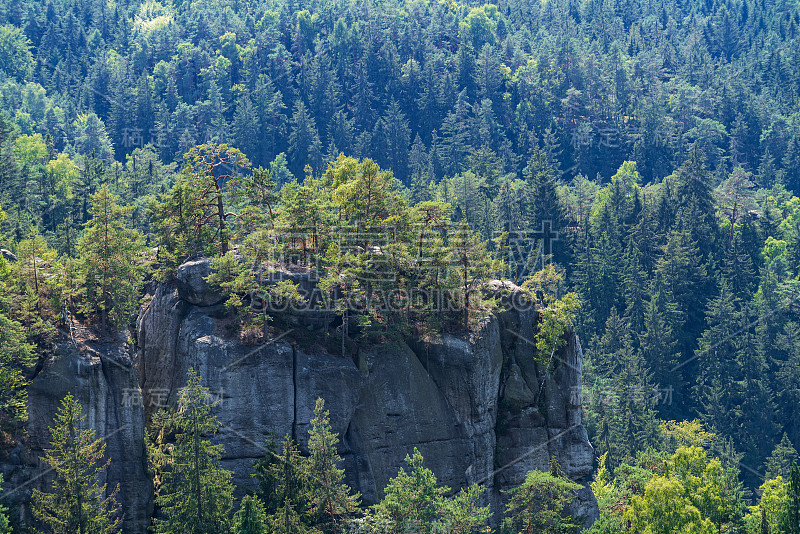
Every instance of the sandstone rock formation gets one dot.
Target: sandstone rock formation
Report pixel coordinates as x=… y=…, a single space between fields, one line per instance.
x=475 y=405
x=102 y=377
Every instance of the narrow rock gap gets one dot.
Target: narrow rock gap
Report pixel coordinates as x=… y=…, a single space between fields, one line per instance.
x=294 y=393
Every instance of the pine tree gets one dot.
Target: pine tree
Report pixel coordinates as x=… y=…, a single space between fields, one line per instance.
x=474 y=267
x=76 y=502
x=195 y=494
x=462 y=514
x=331 y=501
x=538 y=505
x=685 y=277
x=411 y=499
x=109 y=261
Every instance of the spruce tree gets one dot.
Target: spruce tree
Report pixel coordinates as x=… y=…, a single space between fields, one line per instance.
x=109 y=262
x=331 y=501
x=780 y=461
x=289 y=503
x=195 y=494
x=251 y=517
x=76 y=502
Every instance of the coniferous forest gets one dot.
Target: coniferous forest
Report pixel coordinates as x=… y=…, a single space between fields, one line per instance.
x=632 y=165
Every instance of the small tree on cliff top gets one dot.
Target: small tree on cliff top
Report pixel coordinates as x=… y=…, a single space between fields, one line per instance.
x=108 y=260
x=193 y=217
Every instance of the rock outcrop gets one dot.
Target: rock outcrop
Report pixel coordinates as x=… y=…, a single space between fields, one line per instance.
x=102 y=377
x=475 y=405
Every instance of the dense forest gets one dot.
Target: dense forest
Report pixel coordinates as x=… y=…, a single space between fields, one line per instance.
x=633 y=165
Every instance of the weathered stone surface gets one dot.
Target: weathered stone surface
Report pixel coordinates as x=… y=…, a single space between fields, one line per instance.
x=515 y=390
x=8 y=255
x=400 y=408
x=192 y=285
x=332 y=378
x=475 y=405
x=157 y=330
x=102 y=378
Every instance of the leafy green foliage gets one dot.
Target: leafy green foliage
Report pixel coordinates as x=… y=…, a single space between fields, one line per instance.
x=538 y=505
x=76 y=500
x=195 y=494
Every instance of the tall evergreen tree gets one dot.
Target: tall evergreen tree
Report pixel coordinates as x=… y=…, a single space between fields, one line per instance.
x=251 y=517
x=195 y=494
x=779 y=463
x=303 y=138
x=331 y=500
x=110 y=261
x=76 y=502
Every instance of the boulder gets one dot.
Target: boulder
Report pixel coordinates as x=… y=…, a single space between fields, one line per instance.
x=192 y=285
x=8 y=255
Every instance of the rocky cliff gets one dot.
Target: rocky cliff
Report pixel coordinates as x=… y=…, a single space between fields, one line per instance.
x=475 y=405
x=102 y=377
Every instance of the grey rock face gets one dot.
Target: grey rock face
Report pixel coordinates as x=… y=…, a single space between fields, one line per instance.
x=476 y=406
x=102 y=377
x=192 y=285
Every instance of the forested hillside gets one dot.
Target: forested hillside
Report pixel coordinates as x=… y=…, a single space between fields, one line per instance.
x=645 y=154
